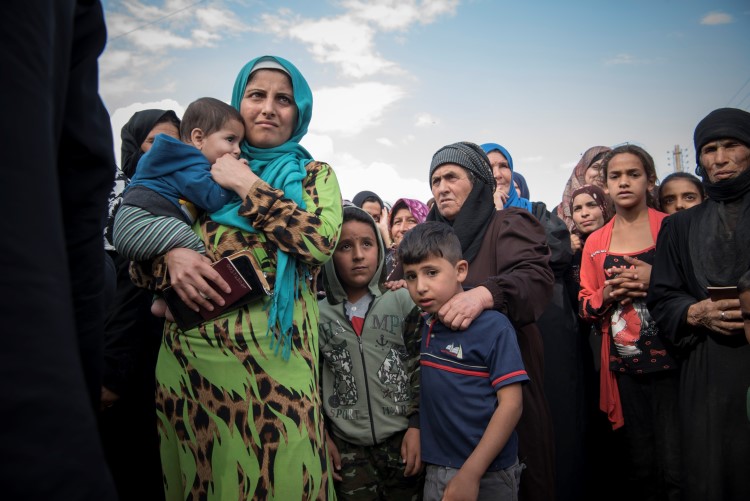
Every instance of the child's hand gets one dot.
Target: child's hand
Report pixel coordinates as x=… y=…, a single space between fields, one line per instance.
x=233 y=174
x=462 y=487
x=333 y=451
x=629 y=282
x=411 y=453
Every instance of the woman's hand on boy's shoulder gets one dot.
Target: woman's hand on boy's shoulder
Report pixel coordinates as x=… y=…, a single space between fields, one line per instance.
x=395 y=285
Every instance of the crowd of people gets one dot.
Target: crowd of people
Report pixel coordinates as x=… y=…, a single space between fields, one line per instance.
x=477 y=345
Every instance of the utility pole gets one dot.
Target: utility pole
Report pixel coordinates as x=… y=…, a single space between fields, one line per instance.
x=678 y=159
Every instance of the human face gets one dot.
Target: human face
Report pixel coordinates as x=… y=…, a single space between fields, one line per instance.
x=356 y=258
x=678 y=194
x=403 y=221
x=219 y=143
x=501 y=170
x=593 y=175
x=374 y=209
x=268 y=109
x=724 y=159
x=587 y=215
x=451 y=187
x=434 y=281
x=627 y=182
x=167 y=128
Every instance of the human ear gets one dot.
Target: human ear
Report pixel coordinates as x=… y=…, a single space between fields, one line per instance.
x=197 y=137
x=462 y=269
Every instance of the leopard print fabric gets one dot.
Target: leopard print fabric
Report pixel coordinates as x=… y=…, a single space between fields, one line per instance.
x=235 y=420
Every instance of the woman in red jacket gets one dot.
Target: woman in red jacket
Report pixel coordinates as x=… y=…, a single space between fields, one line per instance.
x=640 y=387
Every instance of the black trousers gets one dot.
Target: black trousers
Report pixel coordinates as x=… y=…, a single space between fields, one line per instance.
x=56 y=170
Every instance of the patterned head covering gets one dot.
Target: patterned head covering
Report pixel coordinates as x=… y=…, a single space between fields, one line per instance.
x=513 y=199
x=576 y=180
x=417 y=209
x=599 y=197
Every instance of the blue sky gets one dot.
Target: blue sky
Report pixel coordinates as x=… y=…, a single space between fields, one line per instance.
x=394 y=80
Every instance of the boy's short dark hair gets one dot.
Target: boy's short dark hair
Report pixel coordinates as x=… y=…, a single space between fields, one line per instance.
x=431 y=238
x=207 y=114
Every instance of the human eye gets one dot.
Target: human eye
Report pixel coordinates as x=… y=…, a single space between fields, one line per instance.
x=431 y=272
x=409 y=277
x=577 y=208
x=412 y=220
x=709 y=148
x=690 y=197
x=284 y=99
x=435 y=181
x=668 y=200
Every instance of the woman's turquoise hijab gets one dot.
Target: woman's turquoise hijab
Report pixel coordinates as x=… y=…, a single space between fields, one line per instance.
x=282 y=167
x=514 y=200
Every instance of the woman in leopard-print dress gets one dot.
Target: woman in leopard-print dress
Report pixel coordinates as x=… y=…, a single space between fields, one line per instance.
x=238 y=405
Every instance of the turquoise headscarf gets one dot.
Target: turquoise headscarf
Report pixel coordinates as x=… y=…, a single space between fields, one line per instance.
x=513 y=199
x=282 y=167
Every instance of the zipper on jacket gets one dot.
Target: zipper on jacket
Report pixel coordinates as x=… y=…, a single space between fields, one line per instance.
x=364 y=367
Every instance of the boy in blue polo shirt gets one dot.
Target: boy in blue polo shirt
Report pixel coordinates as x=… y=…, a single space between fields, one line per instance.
x=470 y=380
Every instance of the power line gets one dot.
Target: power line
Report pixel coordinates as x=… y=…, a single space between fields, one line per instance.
x=156 y=20
x=738 y=92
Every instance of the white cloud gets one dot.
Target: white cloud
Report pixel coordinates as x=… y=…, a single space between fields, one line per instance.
x=425 y=120
x=531 y=160
x=343 y=41
x=385 y=142
x=348 y=40
x=214 y=19
x=568 y=166
x=392 y=15
x=344 y=110
x=384 y=179
x=146 y=39
x=714 y=18
x=354 y=175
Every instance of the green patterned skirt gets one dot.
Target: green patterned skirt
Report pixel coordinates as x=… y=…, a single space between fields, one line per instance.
x=235 y=420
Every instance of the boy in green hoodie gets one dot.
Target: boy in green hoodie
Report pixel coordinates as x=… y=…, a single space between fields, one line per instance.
x=364 y=376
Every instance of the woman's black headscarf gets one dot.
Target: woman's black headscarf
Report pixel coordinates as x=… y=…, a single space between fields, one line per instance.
x=720 y=237
x=136 y=131
x=477 y=212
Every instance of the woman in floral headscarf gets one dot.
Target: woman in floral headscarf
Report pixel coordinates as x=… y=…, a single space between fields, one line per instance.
x=238 y=400
x=587 y=171
x=405 y=214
